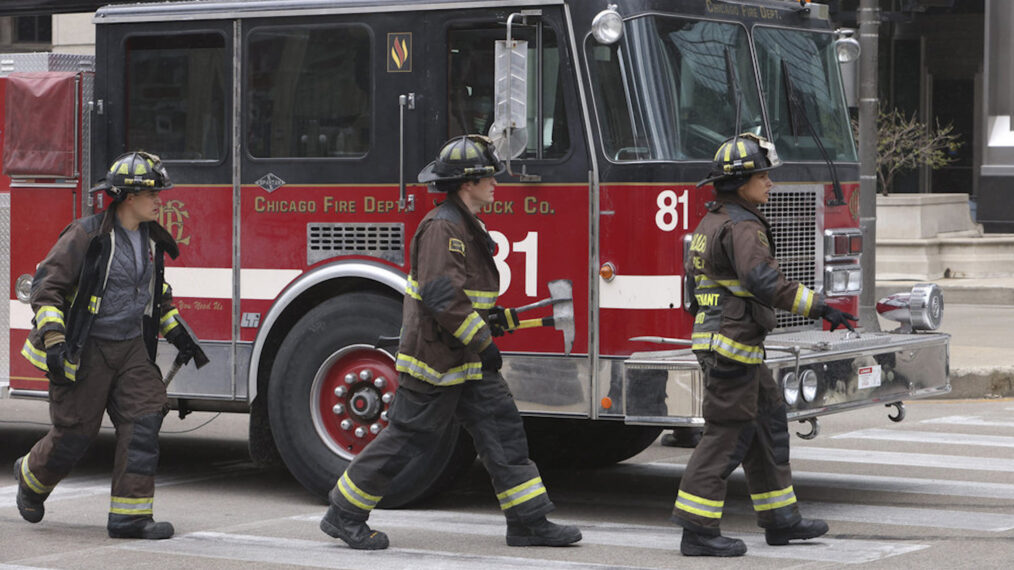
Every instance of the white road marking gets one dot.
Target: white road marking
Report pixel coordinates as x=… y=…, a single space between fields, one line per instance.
x=638 y=537
x=329 y=554
x=967 y=421
x=908 y=459
x=930 y=437
x=911 y=516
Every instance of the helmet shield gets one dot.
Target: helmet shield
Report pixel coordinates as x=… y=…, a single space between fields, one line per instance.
x=134 y=172
x=740 y=157
x=468 y=157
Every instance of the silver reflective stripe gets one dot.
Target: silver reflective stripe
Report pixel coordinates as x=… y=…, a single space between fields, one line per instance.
x=355 y=495
x=482 y=299
x=131 y=506
x=524 y=492
x=699 y=505
x=773 y=500
x=412 y=288
x=471 y=325
x=419 y=369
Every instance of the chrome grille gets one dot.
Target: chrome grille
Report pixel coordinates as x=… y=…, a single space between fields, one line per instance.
x=325 y=241
x=794 y=224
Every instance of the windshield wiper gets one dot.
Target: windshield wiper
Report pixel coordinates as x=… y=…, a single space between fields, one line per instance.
x=797 y=113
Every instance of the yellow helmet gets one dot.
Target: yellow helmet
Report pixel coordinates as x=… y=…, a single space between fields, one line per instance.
x=134 y=172
x=740 y=157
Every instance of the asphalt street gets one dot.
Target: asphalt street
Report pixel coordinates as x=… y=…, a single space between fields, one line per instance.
x=935 y=491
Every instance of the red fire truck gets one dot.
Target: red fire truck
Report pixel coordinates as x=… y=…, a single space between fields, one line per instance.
x=294 y=132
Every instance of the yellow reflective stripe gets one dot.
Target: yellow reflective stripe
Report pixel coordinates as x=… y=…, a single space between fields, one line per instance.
x=131 y=506
x=168 y=321
x=699 y=505
x=355 y=495
x=803 y=301
x=30 y=480
x=521 y=493
x=727 y=347
x=412 y=289
x=773 y=499
x=34 y=355
x=482 y=299
x=471 y=325
x=93 y=305
x=165 y=287
x=70 y=370
x=48 y=314
x=419 y=369
x=733 y=285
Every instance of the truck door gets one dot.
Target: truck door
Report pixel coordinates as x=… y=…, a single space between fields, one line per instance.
x=539 y=219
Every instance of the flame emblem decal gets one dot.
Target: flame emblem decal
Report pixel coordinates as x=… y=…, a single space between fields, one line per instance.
x=399 y=52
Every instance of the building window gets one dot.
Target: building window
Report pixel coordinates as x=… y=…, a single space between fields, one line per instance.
x=33 y=29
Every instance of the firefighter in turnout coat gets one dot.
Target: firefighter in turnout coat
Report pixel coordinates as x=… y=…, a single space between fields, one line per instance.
x=449 y=365
x=736 y=286
x=100 y=301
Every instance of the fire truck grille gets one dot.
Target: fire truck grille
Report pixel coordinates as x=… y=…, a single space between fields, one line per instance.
x=793 y=217
x=327 y=241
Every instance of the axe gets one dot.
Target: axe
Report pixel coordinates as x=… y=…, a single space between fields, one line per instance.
x=182 y=358
x=561 y=297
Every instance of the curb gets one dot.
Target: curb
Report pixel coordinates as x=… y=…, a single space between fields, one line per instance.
x=978 y=383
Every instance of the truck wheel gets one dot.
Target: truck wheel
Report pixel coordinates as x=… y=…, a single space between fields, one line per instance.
x=329 y=393
x=558 y=442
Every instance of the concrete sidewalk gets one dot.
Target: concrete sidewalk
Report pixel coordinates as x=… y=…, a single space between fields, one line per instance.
x=979 y=316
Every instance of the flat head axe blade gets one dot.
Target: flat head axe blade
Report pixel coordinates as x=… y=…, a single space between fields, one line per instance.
x=563 y=312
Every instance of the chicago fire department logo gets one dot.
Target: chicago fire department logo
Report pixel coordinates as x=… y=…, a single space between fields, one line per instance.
x=399 y=52
x=171 y=217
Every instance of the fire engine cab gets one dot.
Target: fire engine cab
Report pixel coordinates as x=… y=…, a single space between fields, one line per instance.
x=294 y=132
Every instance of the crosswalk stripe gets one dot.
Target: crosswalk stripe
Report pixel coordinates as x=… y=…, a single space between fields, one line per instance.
x=967 y=421
x=321 y=554
x=908 y=459
x=911 y=516
x=930 y=437
x=842 y=551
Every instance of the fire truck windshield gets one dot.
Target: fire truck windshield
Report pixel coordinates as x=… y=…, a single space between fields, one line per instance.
x=666 y=92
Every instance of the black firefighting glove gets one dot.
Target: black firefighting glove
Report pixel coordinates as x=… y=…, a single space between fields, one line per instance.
x=179 y=338
x=54 y=362
x=491 y=359
x=502 y=320
x=838 y=318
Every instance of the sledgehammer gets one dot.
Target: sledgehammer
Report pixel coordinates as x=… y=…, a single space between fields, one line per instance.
x=561 y=297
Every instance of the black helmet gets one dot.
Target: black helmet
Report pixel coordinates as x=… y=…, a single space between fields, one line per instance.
x=739 y=158
x=134 y=172
x=468 y=157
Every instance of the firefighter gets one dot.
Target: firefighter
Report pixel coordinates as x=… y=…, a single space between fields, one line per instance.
x=449 y=365
x=100 y=300
x=736 y=286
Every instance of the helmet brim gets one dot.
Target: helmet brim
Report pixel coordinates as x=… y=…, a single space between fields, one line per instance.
x=745 y=174
x=428 y=174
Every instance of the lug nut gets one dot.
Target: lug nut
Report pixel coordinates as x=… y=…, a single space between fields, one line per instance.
x=375 y=428
x=387 y=397
x=365 y=375
x=338 y=409
x=360 y=432
x=383 y=415
x=340 y=391
x=346 y=424
x=350 y=378
x=379 y=382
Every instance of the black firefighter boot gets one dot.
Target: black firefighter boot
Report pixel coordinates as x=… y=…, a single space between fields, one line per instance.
x=541 y=532
x=802 y=530
x=30 y=504
x=139 y=527
x=356 y=533
x=699 y=544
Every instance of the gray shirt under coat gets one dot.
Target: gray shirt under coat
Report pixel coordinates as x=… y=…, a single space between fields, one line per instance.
x=127 y=288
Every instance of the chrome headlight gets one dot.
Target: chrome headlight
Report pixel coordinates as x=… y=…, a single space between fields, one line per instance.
x=790 y=388
x=607 y=26
x=808 y=385
x=23 y=287
x=846 y=47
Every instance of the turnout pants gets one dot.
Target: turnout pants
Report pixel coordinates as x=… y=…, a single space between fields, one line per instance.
x=745 y=423
x=117 y=377
x=421 y=412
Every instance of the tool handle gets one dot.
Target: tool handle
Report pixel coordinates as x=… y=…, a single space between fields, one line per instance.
x=532 y=323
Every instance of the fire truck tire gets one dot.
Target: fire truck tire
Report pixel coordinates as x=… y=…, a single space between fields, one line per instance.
x=330 y=351
x=570 y=443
